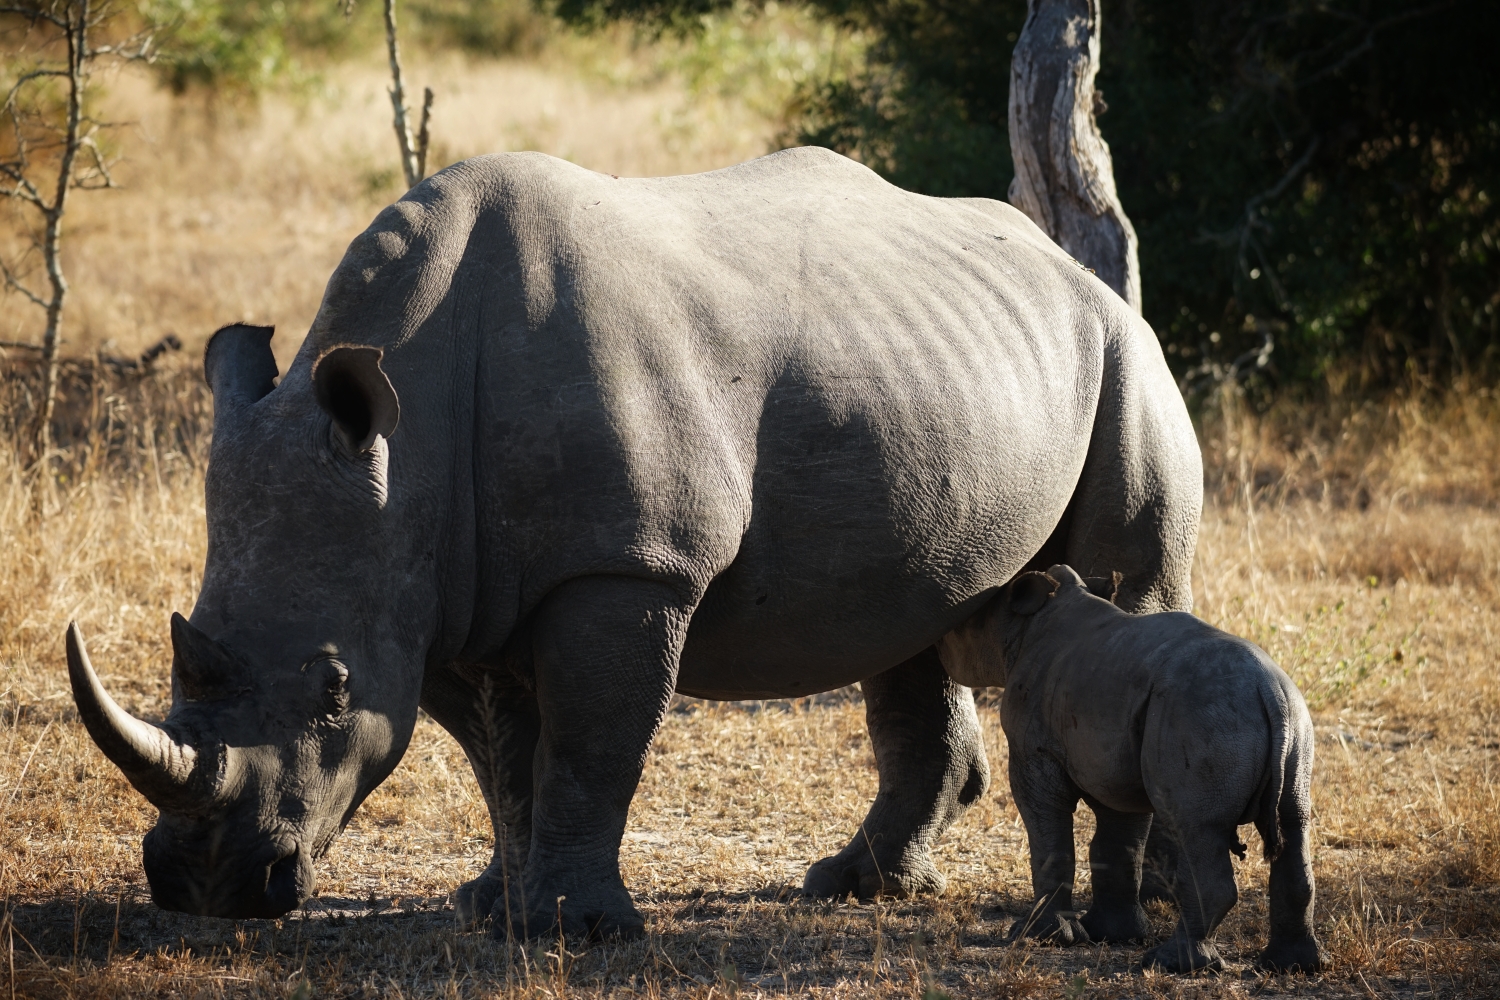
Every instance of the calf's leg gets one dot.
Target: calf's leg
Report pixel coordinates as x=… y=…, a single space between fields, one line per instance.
x=1292 y=947
x=1158 y=874
x=606 y=651
x=1046 y=798
x=1115 y=857
x=930 y=756
x=1205 y=892
x=494 y=718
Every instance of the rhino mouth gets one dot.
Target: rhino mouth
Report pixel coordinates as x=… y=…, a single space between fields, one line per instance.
x=277 y=882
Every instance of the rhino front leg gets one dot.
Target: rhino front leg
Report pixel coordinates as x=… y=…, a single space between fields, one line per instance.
x=496 y=722
x=1045 y=797
x=606 y=653
x=1115 y=857
x=930 y=756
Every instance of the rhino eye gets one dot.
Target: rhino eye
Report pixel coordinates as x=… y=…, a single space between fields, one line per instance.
x=333 y=691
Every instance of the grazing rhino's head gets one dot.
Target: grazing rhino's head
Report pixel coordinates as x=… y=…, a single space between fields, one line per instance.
x=295 y=686
x=980 y=652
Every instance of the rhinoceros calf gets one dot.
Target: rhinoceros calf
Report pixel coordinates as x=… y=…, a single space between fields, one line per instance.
x=561 y=443
x=1145 y=715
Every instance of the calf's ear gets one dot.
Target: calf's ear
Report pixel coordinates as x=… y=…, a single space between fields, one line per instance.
x=1107 y=587
x=352 y=388
x=1029 y=592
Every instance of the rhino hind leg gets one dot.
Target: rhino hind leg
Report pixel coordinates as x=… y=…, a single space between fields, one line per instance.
x=929 y=753
x=1159 y=873
x=1293 y=946
x=606 y=651
x=1115 y=857
x=1205 y=894
x=496 y=722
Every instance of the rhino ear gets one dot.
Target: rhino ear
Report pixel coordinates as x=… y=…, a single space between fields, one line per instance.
x=202 y=668
x=353 y=389
x=1107 y=587
x=1029 y=592
x=239 y=366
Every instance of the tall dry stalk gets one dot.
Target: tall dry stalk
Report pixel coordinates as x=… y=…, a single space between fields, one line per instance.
x=41 y=129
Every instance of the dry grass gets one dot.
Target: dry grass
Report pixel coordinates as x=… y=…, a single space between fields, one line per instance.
x=1393 y=651
x=736 y=802
x=1360 y=544
x=241 y=212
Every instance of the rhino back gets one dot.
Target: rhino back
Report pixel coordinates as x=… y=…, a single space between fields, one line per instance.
x=1200 y=736
x=835 y=411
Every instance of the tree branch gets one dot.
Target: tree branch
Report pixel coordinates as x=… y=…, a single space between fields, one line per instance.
x=1236 y=233
x=11 y=281
x=423 y=136
x=398 y=99
x=83 y=179
x=1367 y=43
x=24 y=189
x=22 y=80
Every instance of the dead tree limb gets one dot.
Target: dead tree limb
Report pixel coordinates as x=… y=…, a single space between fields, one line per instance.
x=1064 y=175
x=413 y=154
x=77 y=35
x=423 y=135
x=41 y=164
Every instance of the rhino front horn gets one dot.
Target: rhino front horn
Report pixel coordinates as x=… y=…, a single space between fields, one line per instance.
x=158 y=766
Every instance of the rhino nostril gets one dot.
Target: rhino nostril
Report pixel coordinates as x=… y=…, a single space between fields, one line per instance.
x=288 y=883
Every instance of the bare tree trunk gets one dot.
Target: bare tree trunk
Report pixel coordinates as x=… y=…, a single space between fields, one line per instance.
x=78 y=51
x=35 y=125
x=413 y=155
x=423 y=135
x=1064 y=176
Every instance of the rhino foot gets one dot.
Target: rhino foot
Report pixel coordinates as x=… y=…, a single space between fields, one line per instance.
x=841 y=875
x=1060 y=927
x=474 y=901
x=1116 y=923
x=587 y=915
x=1296 y=955
x=1177 y=954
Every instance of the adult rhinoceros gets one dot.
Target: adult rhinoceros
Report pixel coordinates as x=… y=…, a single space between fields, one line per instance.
x=760 y=432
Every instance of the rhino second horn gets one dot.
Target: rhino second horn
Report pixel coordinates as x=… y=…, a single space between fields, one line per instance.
x=204 y=669
x=156 y=764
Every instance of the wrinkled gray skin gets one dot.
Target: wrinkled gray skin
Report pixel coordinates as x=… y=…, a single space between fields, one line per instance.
x=755 y=433
x=1145 y=715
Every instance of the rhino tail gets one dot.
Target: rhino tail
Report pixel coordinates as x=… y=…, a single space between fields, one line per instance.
x=1268 y=813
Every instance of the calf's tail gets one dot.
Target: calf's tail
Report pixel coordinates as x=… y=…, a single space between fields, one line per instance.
x=1268 y=812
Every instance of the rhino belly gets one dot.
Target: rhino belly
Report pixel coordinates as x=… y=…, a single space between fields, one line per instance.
x=863 y=547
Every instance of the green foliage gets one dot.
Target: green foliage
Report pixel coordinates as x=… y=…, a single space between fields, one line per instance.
x=1317 y=178
x=763 y=54
x=924 y=110
x=679 y=15
x=248 y=45
x=481 y=27
x=1320 y=174
x=245 y=44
